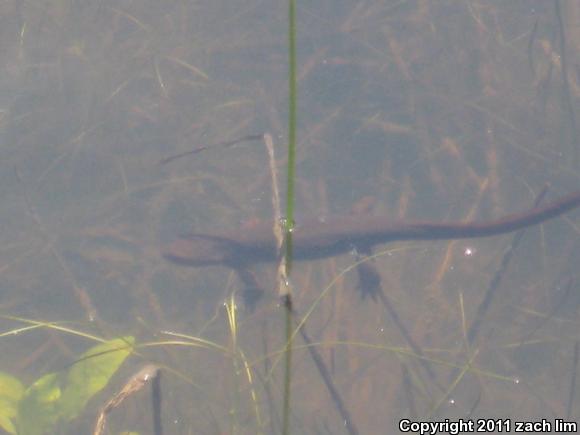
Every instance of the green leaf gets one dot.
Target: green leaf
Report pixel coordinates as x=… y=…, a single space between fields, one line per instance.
x=91 y=373
x=37 y=408
x=11 y=391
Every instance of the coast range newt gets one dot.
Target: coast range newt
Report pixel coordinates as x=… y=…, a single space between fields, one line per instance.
x=318 y=238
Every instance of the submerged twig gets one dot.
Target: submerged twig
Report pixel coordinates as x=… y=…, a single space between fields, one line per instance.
x=496 y=280
x=277 y=229
x=567 y=103
x=135 y=383
x=327 y=378
x=249 y=138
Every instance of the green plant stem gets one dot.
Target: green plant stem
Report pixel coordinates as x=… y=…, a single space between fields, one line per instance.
x=290 y=207
x=291 y=132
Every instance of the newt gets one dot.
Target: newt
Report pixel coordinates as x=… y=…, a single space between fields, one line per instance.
x=318 y=238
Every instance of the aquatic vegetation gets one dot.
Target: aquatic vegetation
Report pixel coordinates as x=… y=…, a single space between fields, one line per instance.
x=61 y=396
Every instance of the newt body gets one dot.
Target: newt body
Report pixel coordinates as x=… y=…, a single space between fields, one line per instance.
x=319 y=239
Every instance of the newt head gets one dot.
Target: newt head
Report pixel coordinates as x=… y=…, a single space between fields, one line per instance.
x=201 y=250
